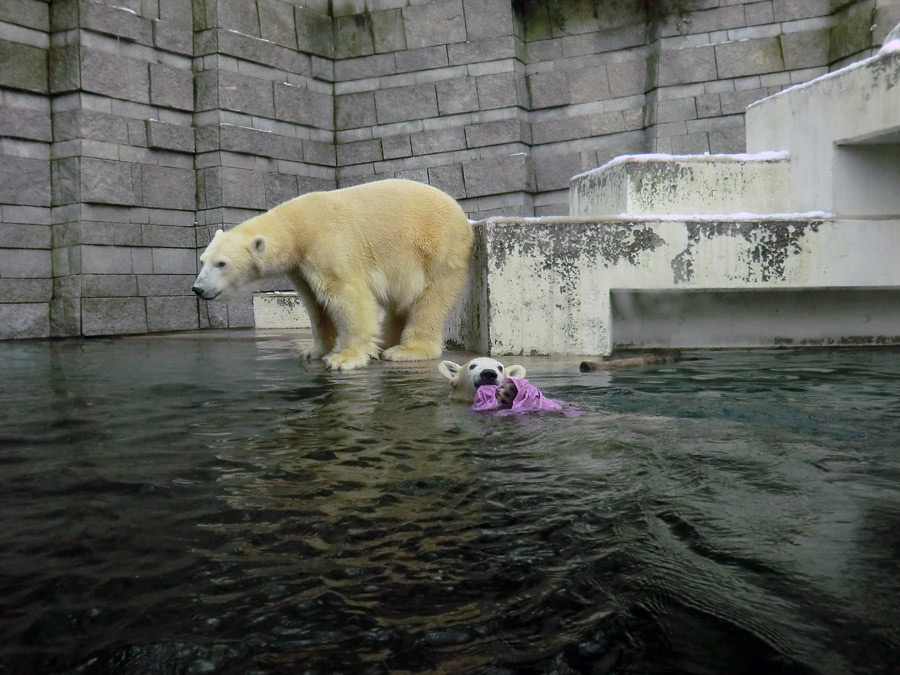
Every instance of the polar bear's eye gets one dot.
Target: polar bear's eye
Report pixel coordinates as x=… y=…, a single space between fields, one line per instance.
x=472 y=367
x=221 y=263
x=500 y=368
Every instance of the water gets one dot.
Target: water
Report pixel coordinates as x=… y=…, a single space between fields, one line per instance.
x=208 y=504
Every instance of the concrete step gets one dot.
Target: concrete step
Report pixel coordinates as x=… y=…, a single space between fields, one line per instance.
x=683 y=184
x=279 y=309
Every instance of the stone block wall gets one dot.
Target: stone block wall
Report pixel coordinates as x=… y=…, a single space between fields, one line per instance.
x=131 y=129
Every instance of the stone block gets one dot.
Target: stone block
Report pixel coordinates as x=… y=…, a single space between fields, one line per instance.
x=402 y=104
x=498 y=175
x=114 y=76
x=170 y=38
x=588 y=84
x=395 y=147
x=318 y=152
x=108 y=182
x=418 y=60
x=280 y=188
x=387 y=31
x=553 y=172
x=805 y=50
x=500 y=90
x=168 y=187
x=448 y=178
x=64 y=67
x=174 y=137
x=240 y=188
x=23 y=67
x=353 y=36
x=303 y=106
x=627 y=78
x=276 y=22
x=172 y=313
x=24 y=320
x=243 y=93
x=175 y=236
x=457 y=95
x=25 y=263
x=171 y=87
x=174 y=261
x=691 y=64
x=66 y=181
x=113 y=316
x=108 y=285
x=360 y=152
x=22 y=235
x=314 y=32
x=238 y=15
x=435 y=23
x=116 y=21
x=479 y=51
x=548 y=90
x=25 y=123
x=364 y=67
x=759 y=13
x=90 y=124
x=352 y=111
x=497 y=133
x=791 y=10
x=177 y=12
x=749 y=57
x=438 y=140
x=260 y=143
x=26 y=290
x=104 y=260
x=564 y=129
x=24 y=181
x=164 y=284
x=488 y=18
x=690 y=144
x=28 y=13
x=675 y=110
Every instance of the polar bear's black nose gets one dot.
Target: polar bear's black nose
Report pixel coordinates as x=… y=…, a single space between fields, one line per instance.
x=488 y=376
x=197 y=290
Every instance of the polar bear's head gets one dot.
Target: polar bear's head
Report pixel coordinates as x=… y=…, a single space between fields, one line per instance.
x=231 y=261
x=465 y=379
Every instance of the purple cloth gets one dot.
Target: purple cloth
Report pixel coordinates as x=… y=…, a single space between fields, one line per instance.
x=528 y=399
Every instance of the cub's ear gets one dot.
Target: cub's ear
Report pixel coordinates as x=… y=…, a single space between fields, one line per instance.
x=448 y=369
x=217 y=233
x=258 y=244
x=516 y=371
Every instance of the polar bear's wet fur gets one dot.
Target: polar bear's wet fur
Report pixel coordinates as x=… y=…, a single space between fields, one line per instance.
x=465 y=379
x=397 y=244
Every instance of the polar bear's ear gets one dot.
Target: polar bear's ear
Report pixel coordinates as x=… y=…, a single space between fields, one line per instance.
x=258 y=244
x=516 y=371
x=448 y=369
x=217 y=233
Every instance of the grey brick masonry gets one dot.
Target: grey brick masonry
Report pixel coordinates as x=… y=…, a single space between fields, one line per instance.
x=130 y=131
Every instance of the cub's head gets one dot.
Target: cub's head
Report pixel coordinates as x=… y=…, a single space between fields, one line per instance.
x=465 y=379
x=231 y=261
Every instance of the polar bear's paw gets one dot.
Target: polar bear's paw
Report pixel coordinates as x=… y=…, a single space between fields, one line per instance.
x=348 y=359
x=313 y=353
x=412 y=352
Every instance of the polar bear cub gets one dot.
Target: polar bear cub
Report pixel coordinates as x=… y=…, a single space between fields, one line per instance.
x=398 y=244
x=465 y=379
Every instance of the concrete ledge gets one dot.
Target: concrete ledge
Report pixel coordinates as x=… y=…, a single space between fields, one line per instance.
x=683 y=184
x=279 y=309
x=544 y=286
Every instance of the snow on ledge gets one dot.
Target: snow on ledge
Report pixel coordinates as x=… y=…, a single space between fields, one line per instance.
x=740 y=217
x=769 y=156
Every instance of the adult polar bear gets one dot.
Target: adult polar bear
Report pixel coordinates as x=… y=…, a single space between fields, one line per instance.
x=396 y=243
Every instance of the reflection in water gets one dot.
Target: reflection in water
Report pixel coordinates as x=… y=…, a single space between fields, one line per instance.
x=201 y=505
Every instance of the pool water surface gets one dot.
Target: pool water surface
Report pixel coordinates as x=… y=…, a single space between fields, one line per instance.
x=209 y=504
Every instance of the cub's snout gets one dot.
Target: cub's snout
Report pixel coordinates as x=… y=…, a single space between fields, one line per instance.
x=465 y=379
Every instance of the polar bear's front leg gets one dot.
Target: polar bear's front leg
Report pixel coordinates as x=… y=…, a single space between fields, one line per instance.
x=355 y=314
x=323 y=330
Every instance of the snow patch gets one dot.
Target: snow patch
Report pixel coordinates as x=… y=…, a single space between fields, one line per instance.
x=768 y=156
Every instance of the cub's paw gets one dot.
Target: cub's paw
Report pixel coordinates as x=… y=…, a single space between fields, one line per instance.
x=411 y=352
x=348 y=359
